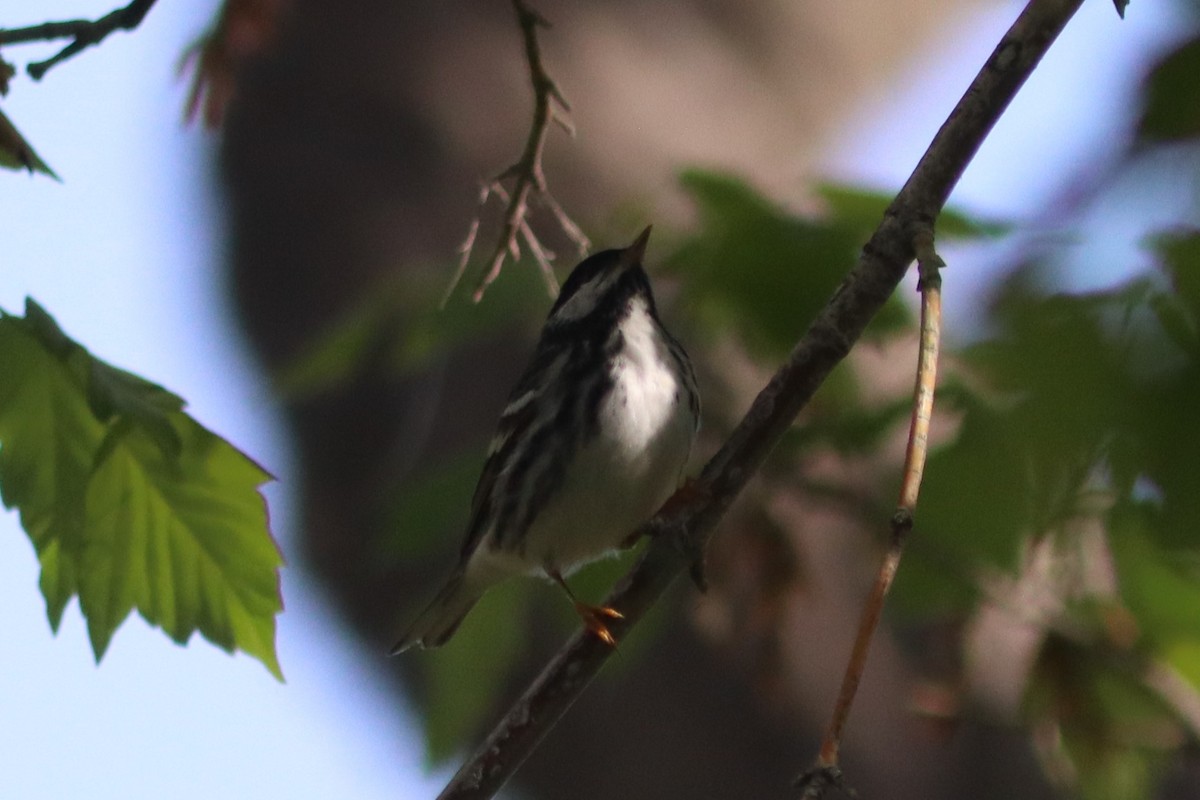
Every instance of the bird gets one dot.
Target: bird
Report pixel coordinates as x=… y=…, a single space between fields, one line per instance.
x=593 y=439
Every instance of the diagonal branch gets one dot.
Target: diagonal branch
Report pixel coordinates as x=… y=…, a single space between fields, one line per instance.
x=527 y=176
x=83 y=32
x=881 y=265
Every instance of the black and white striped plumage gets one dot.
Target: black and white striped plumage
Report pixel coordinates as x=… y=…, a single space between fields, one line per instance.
x=593 y=439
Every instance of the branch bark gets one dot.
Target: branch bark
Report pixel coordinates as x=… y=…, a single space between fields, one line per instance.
x=686 y=528
x=529 y=179
x=827 y=773
x=83 y=32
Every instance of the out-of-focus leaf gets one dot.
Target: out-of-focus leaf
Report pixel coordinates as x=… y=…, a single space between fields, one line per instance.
x=1184 y=657
x=7 y=71
x=515 y=302
x=1074 y=369
x=466 y=674
x=16 y=153
x=129 y=502
x=1172 y=95
x=850 y=430
x=1179 y=257
x=975 y=503
x=335 y=354
x=1161 y=588
x=865 y=209
x=1121 y=6
x=1113 y=730
x=434 y=505
x=406 y=332
x=1176 y=322
x=930 y=584
x=754 y=269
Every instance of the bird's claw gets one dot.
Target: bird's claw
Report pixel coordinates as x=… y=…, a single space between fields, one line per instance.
x=594 y=619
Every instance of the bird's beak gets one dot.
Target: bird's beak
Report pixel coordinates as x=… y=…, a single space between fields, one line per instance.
x=632 y=255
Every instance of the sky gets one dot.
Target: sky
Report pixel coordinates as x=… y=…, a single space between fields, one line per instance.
x=1073 y=112
x=124 y=254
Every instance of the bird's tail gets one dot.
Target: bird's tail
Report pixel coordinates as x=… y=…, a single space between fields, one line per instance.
x=441 y=618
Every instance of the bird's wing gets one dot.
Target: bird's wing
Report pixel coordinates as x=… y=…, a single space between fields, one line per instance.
x=514 y=423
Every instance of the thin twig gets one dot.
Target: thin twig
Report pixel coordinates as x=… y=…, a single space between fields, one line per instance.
x=882 y=263
x=827 y=773
x=467 y=246
x=540 y=254
x=83 y=32
x=527 y=176
x=573 y=231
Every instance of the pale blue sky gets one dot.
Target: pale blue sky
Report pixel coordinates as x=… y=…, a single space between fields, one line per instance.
x=124 y=254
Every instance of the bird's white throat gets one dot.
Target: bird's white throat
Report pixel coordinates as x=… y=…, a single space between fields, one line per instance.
x=646 y=395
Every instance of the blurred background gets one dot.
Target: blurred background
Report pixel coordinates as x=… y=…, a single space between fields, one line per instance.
x=282 y=271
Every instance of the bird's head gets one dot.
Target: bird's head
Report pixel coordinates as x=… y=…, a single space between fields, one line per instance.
x=602 y=285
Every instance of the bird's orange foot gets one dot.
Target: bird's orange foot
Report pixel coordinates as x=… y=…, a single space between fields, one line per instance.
x=595 y=620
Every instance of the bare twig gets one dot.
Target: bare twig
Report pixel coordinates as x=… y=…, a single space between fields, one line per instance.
x=827 y=772
x=83 y=32
x=527 y=176
x=882 y=263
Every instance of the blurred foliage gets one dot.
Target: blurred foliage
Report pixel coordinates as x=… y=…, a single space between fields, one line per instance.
x=763 y=274
x=465 y=680
x=1068 y=434
x=405 y=331
x=1172 y=96
x=1083 y=409
x=16 y=153
x=129 y=502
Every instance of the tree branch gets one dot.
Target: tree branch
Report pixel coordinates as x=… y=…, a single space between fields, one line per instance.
x=528 y=178
x=687 y=527
x=83 y=32
x=827 y=773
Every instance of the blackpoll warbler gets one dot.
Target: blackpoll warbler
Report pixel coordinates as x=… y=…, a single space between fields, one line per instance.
x=593 y=440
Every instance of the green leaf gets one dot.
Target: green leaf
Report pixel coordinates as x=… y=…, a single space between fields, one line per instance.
x=129 y=502
x=115 y=393
x=975 y=504
x=1184 y=657
x=466 y=675
x=48 y=438
x=406 y=331
x=435 y=501
x=846 y=428
x=1116 y=733
x=16 y=153
x=1161 y=587
x=182 y=541
x=761 y=272
x=1172 y=95
x=1179 y=258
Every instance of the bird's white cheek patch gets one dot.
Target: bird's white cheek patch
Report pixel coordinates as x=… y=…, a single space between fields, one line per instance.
x=584 y=301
